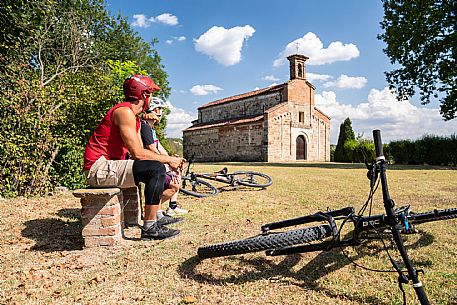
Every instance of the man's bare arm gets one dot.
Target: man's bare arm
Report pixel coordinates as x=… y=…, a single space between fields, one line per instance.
x=126 y=121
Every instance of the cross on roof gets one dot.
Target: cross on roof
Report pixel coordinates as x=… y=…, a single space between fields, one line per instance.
x=297 y=44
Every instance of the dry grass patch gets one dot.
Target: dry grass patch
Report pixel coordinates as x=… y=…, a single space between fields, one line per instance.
x=42 y=260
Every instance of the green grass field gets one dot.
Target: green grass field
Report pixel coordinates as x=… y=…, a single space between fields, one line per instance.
x=42 y=261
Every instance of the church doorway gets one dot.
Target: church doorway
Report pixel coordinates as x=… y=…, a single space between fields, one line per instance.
x=300 y=145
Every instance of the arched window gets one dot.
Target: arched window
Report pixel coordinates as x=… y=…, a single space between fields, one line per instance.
x=300 y=148
x=300 y=70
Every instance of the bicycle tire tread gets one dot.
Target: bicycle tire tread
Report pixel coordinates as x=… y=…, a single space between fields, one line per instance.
x=266 y=242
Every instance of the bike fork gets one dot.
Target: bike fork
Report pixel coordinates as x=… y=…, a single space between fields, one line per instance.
x=392 y=221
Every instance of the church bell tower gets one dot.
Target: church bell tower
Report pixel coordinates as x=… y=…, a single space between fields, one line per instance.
x=297 y=66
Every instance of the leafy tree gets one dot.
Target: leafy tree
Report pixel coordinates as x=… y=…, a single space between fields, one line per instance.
x=421 y=37
x=351 y=151
x=367 y=146
x=346 y=135
x=58 y=79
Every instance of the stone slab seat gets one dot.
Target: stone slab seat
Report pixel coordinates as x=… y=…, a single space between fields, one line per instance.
x=96 y=192
x=105 y=212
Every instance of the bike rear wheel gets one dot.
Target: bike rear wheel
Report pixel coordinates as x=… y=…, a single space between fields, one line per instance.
x=252 y=179
x=196 y=187
x=266 y=242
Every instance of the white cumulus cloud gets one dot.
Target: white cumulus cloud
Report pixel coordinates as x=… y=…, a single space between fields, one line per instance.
x=310 y=45
x=204 y=89
x=270 y=78
x=167 y=19
x=224 y=45
x=396 y=120
x=177 y=120
x=317 y=77
x=143 y=21
x=345 y=82
x=174 y=38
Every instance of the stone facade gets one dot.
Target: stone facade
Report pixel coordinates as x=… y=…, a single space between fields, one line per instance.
x=274 y=124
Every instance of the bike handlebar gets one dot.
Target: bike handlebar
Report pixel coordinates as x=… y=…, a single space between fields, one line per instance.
x=378 y=144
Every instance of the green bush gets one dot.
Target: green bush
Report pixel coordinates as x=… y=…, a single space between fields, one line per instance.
x=332 y=152
x=431 y=150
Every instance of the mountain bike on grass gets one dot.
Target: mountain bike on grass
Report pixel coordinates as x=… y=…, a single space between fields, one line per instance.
x=324 y=237
x=194 y=183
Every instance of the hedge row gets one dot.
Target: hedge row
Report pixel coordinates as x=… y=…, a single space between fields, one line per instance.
x=431 y=150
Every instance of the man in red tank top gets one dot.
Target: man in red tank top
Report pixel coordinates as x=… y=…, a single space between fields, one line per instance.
x=117 y=134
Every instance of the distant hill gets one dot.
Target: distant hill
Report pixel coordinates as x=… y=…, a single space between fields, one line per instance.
x=175 y=145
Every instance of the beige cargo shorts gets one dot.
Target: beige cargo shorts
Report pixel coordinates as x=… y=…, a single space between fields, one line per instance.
x=115 y=173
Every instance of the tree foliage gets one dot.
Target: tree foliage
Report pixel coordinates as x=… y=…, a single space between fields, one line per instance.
x=421 y=37
x=58 y=79
x=346 y=134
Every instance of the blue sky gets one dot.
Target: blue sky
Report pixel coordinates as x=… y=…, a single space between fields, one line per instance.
x=216 y=49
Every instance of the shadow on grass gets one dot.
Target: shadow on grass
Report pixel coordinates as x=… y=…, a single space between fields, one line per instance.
x=53 y=234
x=331 y=165
x=307 y=277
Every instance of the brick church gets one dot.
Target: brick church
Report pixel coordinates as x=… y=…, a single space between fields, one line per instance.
x=274 y=124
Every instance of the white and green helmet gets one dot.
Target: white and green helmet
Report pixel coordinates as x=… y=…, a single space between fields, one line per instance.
x=155 y=102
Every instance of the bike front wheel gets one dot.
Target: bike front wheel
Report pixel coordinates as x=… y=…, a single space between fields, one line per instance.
x=196 y=187
x=252 y=179
x=263 y=242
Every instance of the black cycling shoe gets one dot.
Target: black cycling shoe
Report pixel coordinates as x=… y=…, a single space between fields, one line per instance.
x=168 y=220
x=158 y=231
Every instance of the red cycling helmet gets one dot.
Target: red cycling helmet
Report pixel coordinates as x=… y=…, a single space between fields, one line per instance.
x=137 y=87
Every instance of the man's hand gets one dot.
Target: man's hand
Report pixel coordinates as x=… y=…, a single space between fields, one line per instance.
x=176 y=163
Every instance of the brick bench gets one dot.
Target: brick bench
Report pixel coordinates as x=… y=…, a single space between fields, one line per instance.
x=105 y=212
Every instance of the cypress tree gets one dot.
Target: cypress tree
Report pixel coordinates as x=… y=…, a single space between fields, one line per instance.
x=346 y=134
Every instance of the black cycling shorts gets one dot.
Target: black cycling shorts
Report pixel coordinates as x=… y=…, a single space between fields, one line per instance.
x=152 y=174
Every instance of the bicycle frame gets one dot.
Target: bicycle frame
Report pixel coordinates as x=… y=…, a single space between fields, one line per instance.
x=220 y=176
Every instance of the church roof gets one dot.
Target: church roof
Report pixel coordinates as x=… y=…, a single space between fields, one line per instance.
x=277 y=106
x=225 y=123
x=244 y=95
x=320 y=111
